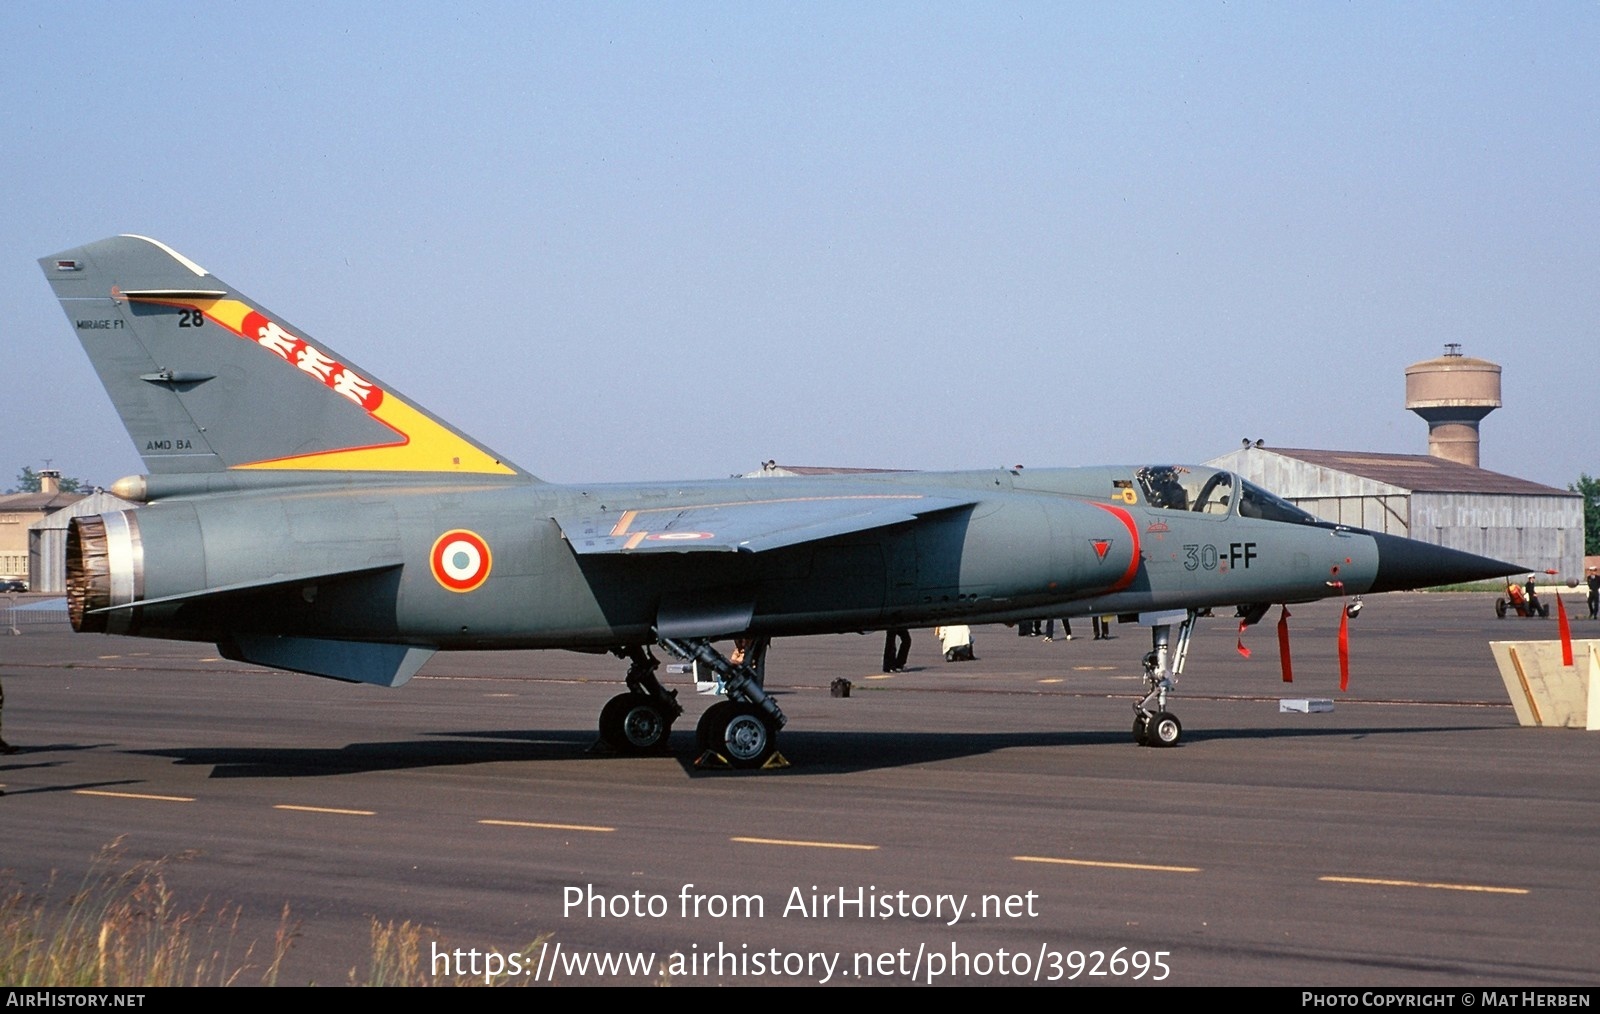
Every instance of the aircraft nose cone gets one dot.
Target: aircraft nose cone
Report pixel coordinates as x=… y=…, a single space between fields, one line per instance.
x=1407 y=563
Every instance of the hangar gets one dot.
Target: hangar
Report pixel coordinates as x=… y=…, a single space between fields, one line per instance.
x=1423 y=497
x=47 y=539
x=1441 y=497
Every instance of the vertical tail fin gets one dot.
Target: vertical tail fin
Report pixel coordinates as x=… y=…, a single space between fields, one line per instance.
x=206 y=380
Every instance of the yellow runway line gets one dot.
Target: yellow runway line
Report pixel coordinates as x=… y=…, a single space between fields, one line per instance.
x=1375 y=882
x=1106 y=864
x=807 y=844
x=134 y=795
x=545 y=827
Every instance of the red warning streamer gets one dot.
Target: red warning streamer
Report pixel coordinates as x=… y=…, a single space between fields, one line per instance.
x=1242 y=649
x=1566 y=632
x=1283 y=645
x=1344 y=634
x=1344 y=648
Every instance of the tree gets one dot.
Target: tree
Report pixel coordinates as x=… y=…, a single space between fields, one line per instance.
x=1589 y=486
x=28 y=482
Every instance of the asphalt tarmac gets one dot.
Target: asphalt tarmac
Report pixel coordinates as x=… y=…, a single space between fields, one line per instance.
x=983 y=822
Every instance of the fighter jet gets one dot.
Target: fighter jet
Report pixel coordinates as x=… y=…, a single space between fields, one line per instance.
x=303 y=515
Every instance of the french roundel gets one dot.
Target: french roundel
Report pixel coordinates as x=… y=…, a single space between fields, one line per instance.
x=460 y=560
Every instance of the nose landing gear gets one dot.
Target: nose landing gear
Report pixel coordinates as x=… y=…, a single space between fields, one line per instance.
x=1153 y=724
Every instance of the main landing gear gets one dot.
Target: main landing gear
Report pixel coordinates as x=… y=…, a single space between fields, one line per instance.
x=742 y=731
x=639 y=721
x=1153 y=724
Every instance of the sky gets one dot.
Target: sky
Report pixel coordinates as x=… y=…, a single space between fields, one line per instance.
x=667 y=241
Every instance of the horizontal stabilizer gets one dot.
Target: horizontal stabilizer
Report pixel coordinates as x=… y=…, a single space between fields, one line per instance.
x=750 y=526
x=386 y=665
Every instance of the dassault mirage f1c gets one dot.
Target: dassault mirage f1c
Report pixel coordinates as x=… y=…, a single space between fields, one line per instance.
x=305 y=516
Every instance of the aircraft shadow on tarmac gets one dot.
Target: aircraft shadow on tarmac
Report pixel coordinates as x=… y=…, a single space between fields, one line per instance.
x=72 y=787
x=810 y=753
x=51 y=748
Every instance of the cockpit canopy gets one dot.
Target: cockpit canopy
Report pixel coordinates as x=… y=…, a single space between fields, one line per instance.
x=1212 y=491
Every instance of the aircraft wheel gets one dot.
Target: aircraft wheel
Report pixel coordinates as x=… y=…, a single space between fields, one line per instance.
x=714 y=716
x=634 y=724
x=744 y=736
x=1500 y=608
x=1141 y=730
x=1165 y=729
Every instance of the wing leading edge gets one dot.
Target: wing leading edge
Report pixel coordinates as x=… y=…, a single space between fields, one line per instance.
x=746 y=526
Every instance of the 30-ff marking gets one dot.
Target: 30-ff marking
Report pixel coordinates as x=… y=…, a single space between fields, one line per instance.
x=460 y=560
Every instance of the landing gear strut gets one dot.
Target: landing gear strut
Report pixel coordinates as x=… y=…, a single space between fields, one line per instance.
x=639 y=721
x=1153 y=724
x=742 y=730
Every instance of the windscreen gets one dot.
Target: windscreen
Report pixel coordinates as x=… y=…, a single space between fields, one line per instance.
x=1255 y=502
x=1212 y=491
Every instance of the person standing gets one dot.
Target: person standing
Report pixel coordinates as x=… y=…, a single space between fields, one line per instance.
x=1533 y=596
x=1050 y=629
x=1593 y=581
x=896 y=649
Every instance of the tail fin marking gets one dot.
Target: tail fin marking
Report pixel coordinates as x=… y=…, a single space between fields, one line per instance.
x=228 y=408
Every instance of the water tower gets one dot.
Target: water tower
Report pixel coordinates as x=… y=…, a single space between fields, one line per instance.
x=1453 y=392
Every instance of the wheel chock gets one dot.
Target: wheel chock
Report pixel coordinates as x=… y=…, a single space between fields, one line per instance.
x=710 y=760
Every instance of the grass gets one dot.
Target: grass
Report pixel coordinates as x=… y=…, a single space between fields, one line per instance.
x=1474 y=586
x=123 y=927
x=398 y=960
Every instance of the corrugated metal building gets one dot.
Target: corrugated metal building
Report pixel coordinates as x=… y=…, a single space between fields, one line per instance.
x=1426 y=498
x=18 y=513
x=47 y=540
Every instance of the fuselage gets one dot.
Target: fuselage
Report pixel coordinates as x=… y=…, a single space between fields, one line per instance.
x=351 y=559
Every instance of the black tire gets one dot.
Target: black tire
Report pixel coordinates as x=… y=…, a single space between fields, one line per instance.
x=1141 y=730
x=635 y=724
x=1500 y=608
x=713 y=716
x=1165 y=729
x=743 y=736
